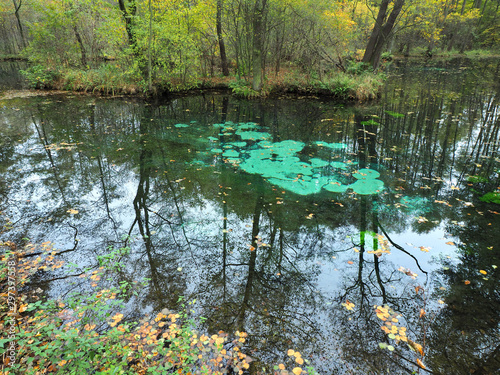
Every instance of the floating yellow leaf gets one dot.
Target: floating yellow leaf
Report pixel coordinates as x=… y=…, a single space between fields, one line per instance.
x=417 y=347
x=297 y=370
x=419 y=362
x=450 y=243
x=290 y=352
x=483 y=272
x=348 y=305
x=72 y=211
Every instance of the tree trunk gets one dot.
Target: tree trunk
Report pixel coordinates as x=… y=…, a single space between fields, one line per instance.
x=150 y=38
x=80 y=43
x=128 y=16
x=372 y=42
x=19 y=25
x=463 y=8
x=222 y=47
x=381 y=32
x=258 y=31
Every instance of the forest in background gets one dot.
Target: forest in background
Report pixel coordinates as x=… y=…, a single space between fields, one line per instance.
x=261 y=45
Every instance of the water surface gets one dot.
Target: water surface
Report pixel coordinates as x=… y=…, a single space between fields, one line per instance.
x=291 y=219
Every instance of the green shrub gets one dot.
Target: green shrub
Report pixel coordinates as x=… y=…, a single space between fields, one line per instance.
x=85 y=334
x=242 y=89
x=39 y=77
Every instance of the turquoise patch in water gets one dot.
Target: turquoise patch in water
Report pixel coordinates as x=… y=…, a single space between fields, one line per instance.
x=338 y=164
x=335 y=187
x=333 y=146
x=318 y=163
x=237 y=144
x=231 y=154
x=181 y=125
x=253 y=135
x=367 y=187
x=366 y=174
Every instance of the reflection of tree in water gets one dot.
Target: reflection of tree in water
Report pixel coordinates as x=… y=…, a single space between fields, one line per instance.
x=261 y=287
x=465 y=337
x=132 y=166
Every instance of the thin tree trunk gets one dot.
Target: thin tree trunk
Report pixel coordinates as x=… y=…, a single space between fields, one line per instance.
x=258 y=31
x=222 y=47
x=19 y=25
x=463 y=8
x=150 y=83
x=128 y=16
x=80 y=43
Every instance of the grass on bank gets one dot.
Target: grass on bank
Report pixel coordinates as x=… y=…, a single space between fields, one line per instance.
x=111 y=79
x=84 y=334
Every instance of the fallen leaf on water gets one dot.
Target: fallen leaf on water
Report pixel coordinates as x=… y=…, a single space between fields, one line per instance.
x=350 y=262
x=419 y=362
x=72 y=211
x=483 y=272
x=450 y=243
x=466 y=282
x=348 y=305
x=416 y=346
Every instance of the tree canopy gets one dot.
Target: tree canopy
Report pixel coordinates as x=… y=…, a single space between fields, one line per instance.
x=176 y=42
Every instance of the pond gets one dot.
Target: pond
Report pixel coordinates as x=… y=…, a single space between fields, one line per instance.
x=344 y=232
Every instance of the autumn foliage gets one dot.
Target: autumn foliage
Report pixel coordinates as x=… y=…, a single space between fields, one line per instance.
x=82 y=334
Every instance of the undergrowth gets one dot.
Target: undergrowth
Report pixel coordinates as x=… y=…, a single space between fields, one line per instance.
x=84 y=334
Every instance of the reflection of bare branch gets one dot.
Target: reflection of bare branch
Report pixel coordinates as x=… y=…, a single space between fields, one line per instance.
x=62 y=251
x=400 y=248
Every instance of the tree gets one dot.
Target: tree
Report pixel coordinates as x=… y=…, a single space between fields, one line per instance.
x=16 y=12
x=381 y=31
x=222 y=47
x=258 y=43
x=128 y=13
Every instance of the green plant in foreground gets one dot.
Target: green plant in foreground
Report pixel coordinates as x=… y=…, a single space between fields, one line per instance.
x=39 y=77
x=242 y=89
x=88 y=333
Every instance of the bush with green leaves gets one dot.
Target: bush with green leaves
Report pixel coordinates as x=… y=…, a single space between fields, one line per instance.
x=89 y=333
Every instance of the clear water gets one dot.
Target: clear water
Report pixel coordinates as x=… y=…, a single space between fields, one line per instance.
x=276 y=215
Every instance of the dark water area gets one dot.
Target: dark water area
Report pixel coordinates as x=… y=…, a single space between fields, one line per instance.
x=299 y=221
x=10 y=77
